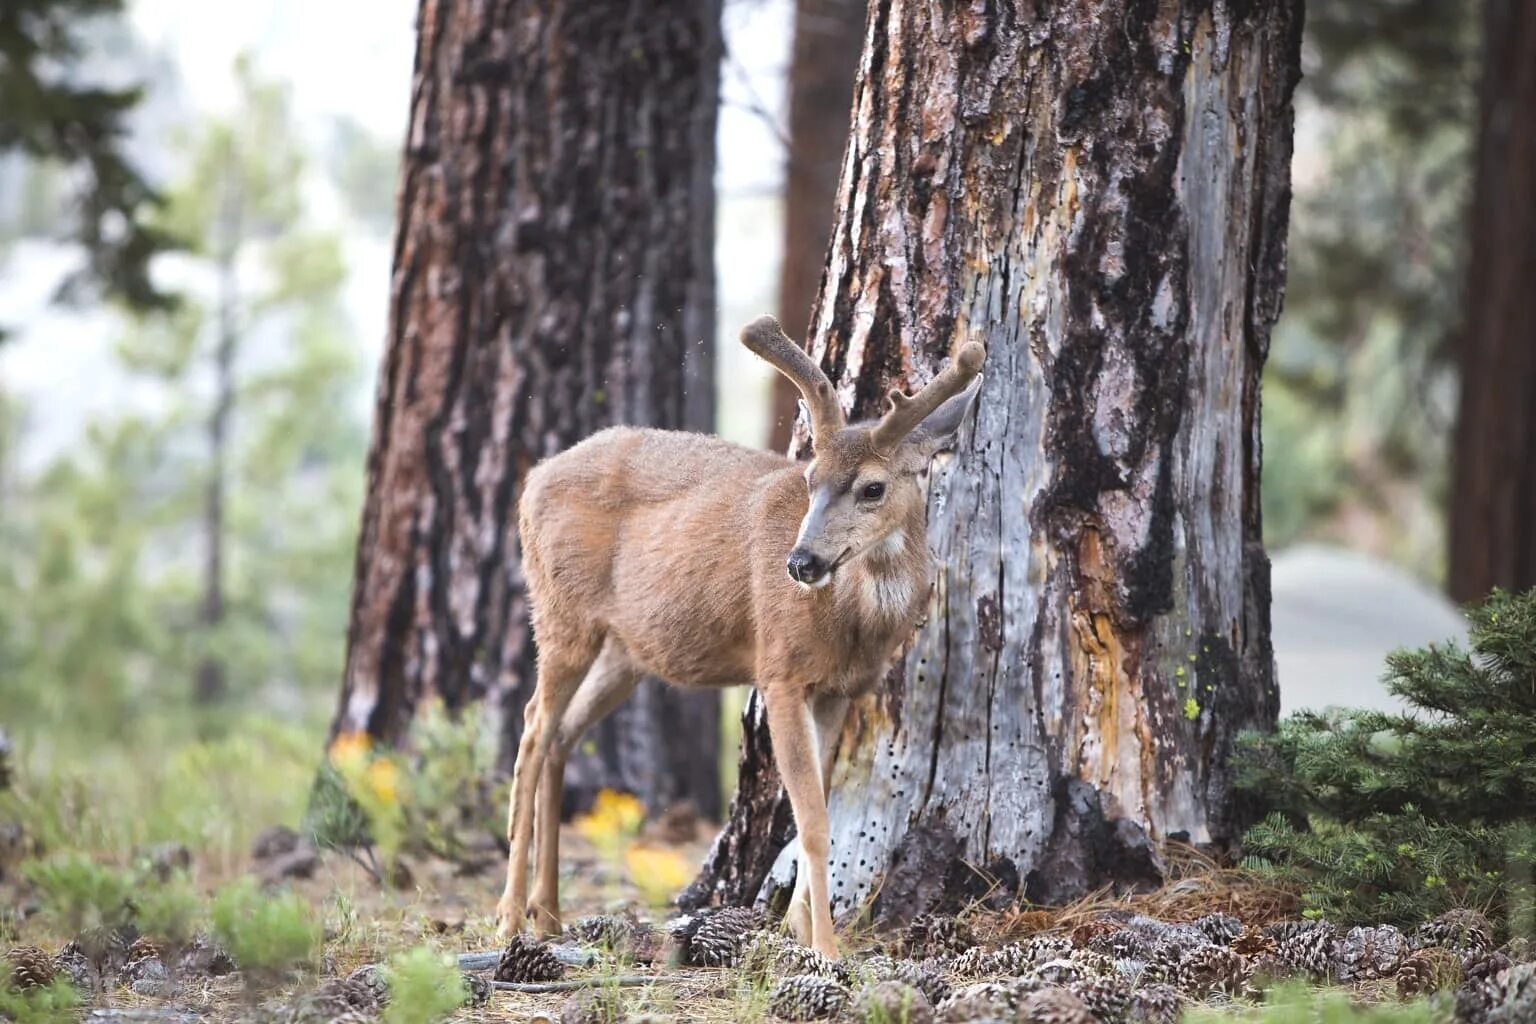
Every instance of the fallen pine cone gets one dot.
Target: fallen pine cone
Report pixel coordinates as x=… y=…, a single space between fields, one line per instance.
x=527 y=959
x=1427 y=970
x=30 y=968
x=808 y=997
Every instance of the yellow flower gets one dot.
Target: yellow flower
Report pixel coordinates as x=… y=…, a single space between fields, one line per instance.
x=383 y=778
x=658 y=873
x=614 y=816
x=349 y=749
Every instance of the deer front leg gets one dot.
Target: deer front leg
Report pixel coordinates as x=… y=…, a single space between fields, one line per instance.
x=796 y=749
x=828 y=711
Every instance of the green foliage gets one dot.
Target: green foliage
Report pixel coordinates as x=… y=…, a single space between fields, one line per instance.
x=1388 y=817
x=424 y=986
x=267 y=933
x=169 y=911
x=1297 y=1004
x=79 y=895
x=1358 y=393
x=54 y=1004
x=54 y=117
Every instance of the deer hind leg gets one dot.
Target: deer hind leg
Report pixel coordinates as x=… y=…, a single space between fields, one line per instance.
x=797 y=749
x=828 y=713
x=559 y=677
x=610 y=680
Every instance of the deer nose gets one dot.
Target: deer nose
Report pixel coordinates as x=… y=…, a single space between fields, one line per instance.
x=805 y=567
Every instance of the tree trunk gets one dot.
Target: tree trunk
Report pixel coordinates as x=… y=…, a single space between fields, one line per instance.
x=553 y=275
x=824 y=58
x=212 y=683
x=1493 y=505
x=1097 y=191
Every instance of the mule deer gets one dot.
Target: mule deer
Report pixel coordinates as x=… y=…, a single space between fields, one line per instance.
x=650 y=552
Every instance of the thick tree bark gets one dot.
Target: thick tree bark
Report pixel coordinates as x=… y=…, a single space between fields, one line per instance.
x=1493 y=505
x=828 y=37
x=1098 y=191
x=552 y=275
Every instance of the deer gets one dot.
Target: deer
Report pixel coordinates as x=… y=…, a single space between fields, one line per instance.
x=682 y=556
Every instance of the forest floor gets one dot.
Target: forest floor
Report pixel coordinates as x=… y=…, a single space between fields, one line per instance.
x=997 y=959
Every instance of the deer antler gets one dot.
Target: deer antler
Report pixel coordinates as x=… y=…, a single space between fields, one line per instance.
x=907 y=412
x=767 y=340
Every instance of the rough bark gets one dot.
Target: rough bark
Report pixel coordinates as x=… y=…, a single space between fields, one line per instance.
x=823 y=59
x=552 y=275
x=1099 y=192
x=1493 y=504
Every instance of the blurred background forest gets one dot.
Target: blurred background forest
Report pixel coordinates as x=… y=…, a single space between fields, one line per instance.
x=185 y=386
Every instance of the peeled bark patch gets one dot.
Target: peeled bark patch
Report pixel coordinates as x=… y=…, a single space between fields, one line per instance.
x=1097 y=191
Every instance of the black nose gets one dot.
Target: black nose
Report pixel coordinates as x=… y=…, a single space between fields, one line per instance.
x=805 y=567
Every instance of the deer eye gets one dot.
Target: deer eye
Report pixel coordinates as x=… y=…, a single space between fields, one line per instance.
x=872 y=492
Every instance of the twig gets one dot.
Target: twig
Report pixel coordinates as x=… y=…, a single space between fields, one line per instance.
x=623 y=980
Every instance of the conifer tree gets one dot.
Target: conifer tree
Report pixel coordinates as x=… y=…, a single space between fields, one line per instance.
x=1397 y=817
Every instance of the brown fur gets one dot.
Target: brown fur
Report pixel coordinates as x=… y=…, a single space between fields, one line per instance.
x=650 y=552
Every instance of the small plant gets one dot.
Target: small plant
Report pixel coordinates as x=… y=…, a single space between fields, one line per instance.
x=79 y=895
x=1298 y=1004
x=169 y=911
x=1397 y=818
x=424 y=986
x=52 y=1004
x=266 y=933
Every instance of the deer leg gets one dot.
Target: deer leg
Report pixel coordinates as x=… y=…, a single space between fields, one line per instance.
x=608 y=683
x=792 y=727
x=558 y=681
x=828 y=711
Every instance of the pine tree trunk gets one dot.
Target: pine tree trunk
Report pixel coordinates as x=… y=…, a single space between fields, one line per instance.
x=828 y=37
x=553 y=275
x=1493 y=504
x=1098 y=191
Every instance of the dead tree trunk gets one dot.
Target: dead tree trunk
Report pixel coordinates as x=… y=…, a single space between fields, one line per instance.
x=1097 y=191
x=828 y=37
x=552 y=276
x=1493 y=505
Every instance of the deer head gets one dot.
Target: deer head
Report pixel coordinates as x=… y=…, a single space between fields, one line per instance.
x=865 y=480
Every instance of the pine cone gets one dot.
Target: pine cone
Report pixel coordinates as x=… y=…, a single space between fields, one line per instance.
x=1123 y=944
x=30 y=968
x=1475 y=1001
x=204 y=956
x=1518 y=1005
x=1308 y=950
x=144 y=969
x=1221 y=929
x=477 y=989
x=1253 y=944
x=718 y=936
x=1059 y=972
x=1461 y=931
x=892 y=1002
x=1042 y=948
x=933 y=934
x=1485 y=966
x=72 y=963
x=1108 y=999
x=1055 y=1006
x=1084 y=934
x=807 y=997
x=369 y=987
x=1094 y=963
x=1520 y=949
x=1154 y=1004
x=922 y=977
x=1211 y=969
x=984 y=1001
x=622 y=935
x=1367 y=953
x=527 y=959
x=1427 y=970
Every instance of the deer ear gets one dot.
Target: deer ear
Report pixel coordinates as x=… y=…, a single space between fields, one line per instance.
x=938 y=428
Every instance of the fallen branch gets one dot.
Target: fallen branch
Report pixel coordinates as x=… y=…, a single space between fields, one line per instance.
x=622 y=981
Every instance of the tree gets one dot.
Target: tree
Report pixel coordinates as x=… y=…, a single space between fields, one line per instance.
x=51 y=116
x=1493 y=502
x=552 y=275
x=823 y=59
x=1099 y=193
x=199 y=533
